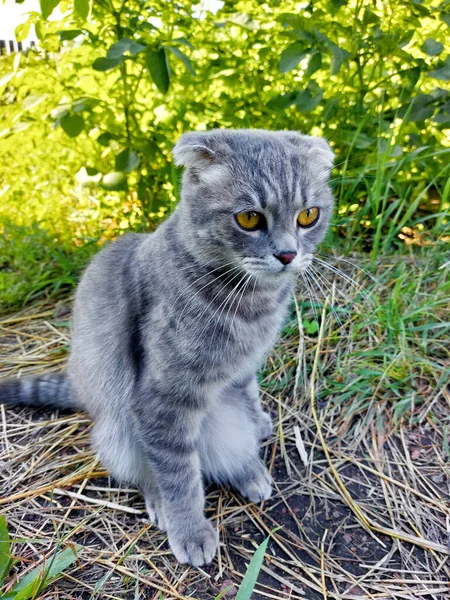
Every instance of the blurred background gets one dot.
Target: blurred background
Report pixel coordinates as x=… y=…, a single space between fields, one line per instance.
x=95 y=94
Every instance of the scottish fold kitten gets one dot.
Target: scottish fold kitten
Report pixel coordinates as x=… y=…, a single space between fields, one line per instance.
x=170 y=328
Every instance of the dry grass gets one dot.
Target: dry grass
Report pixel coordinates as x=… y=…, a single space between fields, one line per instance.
x=362 y=488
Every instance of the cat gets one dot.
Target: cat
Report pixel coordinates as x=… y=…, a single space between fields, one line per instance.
x=170 y=328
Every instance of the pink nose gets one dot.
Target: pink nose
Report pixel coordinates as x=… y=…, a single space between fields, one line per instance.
x=286 y=257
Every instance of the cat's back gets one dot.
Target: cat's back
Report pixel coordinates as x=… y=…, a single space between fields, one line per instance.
x=112 y=292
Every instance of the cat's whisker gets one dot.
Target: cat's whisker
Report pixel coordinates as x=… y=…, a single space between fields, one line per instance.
x=244 y=287
x=332 y=289
x=355 y=285
x=341 y=258
x=308 y=290
x=332 y=285
x=222 y=307
x=317 y=280
x=253 y=291
x=242 y=281
x=314 y=294
x=192 y=298
x=207 y=306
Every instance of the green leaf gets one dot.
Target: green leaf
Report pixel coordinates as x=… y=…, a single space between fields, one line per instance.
x=106 y=64
x=445 y=18
x=339 y=56
x=104 y=138
x=5 y=550
x=158 y=68
x=315 y=62
x=118 y=49
x=309 y=98
x=127 y=161
x=291 y=56
x=115 y=181
x=421 y=108
x=67 y=35
x=81 y=8
x=311 y=327
x=432 y=47
x=22 y=31
x=291 y=19
x=48 y=6
x=443 y=72
x=282 y=101
x=182 y=56
x=88 y=175
x=135 y=48
x=73 y=125
x=33 y=100
x=248 y=583
x=45 y=574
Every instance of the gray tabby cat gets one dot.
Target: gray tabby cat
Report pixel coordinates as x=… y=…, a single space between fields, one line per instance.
x=170 y=328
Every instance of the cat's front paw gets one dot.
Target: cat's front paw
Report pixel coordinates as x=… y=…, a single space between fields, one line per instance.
x=265 y=425
x=156 y=512
x=258 y=485
x=196 y=546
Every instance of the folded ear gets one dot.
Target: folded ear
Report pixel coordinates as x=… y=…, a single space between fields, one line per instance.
x=193 y=149
x=317 y=147
x=321 y=151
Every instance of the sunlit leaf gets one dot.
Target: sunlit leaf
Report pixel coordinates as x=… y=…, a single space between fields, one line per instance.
x=127 y=161
x=443 y=72
x=104 y=138
x=314 y=64
x=114 y=181
x=33 y=100
x=118 y=49
x=291 y=56
x=67 y=35
x=82 y=8
x=432 y=47
x=73 y=125
x=309 y=98
x=182 y=56
x=106 y=64
x=22 y=31
x=48 y=6
x=282 y=101
x=158 y=68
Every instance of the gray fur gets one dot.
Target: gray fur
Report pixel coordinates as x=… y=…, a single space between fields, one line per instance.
x=170 y=328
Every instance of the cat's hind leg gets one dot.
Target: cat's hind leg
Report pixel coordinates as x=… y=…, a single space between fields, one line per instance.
x=229 y=445
x=114 y=440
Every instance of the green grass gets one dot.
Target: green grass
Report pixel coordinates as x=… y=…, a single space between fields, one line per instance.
x=34 y=263
x=391 y=351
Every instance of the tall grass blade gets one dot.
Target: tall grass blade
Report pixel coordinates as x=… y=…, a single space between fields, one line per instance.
x=42 y=576
x=5 y=550
x=248 y=583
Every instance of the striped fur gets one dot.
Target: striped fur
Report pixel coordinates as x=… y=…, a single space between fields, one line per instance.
x=170 y=328
x=52 y=390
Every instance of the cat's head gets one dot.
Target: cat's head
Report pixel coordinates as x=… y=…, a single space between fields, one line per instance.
x=255 y=198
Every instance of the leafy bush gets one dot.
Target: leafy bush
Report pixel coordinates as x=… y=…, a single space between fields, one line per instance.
x=89 y=117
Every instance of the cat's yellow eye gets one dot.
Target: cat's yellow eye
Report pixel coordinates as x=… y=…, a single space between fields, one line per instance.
x=250 y=220
x=308 y=217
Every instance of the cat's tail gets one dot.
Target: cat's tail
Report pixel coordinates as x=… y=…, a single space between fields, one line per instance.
x=50 y=390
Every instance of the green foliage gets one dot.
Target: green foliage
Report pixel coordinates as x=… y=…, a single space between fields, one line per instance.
x=33 y=264
x=30 y=585
x=89 y=116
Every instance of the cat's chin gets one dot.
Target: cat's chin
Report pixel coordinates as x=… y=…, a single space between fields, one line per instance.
x=264 y=275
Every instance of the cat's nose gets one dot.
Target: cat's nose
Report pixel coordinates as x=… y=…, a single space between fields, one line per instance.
x=286 y=257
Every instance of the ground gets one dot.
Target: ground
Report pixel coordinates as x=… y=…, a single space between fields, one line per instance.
x=359 y=455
